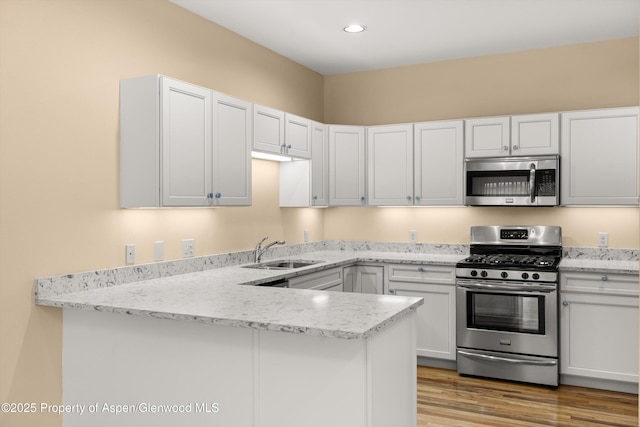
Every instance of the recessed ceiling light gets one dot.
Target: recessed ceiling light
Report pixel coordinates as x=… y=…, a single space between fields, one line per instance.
x=354 y=28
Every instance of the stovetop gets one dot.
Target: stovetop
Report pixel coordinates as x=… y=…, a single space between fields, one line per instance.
x=511 y=261
x=522 y=253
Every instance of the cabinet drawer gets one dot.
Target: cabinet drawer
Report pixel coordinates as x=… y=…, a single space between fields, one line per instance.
x=320 y=279
x=600 y=283
x=422 y=273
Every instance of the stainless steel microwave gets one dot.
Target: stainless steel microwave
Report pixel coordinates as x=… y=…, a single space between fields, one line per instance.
x=512 y=181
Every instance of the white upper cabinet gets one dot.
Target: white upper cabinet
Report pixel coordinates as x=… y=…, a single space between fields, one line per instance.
x=232 y=120
x=305 y=183
x=277 y=132
x=186 y=144
x=390 y=165
x=525 y=135
x=319 y=164
x=268 y=129
x=346 y=165
x=182 y=145
x=535 y=134
x=297 y=136
x=487 y=137
x=165 y=143
x=438 y=163
x=599 y=161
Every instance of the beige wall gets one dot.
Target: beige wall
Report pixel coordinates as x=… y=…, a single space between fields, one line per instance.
x=60 y=66
x=594 y=75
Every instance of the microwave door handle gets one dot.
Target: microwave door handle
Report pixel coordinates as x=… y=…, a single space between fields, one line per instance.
x=532 y=182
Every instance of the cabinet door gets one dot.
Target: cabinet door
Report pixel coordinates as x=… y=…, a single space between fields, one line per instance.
x=346 y=166
x=535 y=134
x=268 y=129
x=487 y=137
x=186 y=144
x=438 y=163
x=599 y=161
x=390 y=165
x=319 y=165
x=599 y=336
x=436 y=336
x=297 y=136
x=365 y=279
x=232 y=120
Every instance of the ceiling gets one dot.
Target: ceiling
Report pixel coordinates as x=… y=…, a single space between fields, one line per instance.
x=406 y=32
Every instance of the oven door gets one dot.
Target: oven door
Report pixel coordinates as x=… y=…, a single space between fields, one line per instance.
x=507 y=317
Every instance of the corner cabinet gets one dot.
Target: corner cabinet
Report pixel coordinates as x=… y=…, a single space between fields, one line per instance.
x=599 y=158
x=599 y=330
x=364 y=279
x=305 y=183
x=437 y=317
x=172 y=147
x=390 y=165
x=438 y=163
x=347 y=165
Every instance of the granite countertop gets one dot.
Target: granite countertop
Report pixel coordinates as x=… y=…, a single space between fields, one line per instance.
x=217 y=289
x=224 y=296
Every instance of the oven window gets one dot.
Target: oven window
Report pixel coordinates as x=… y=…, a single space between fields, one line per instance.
x=506 y=312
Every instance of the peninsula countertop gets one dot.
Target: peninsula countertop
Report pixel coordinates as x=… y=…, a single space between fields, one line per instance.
x=228 y=296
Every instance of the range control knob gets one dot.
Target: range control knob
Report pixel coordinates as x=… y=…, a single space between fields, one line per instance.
x=535 y=276
x=504 y=274
x=525 y=276
x=484 y=273
x=474 y=273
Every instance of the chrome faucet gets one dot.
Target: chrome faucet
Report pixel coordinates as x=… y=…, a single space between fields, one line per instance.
x=260 y=250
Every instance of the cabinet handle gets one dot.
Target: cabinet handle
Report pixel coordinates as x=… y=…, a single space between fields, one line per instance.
x=392 y=291
x=515 y=147
x=505 y=148
x=417 y=198
x=315 y=197
x=421 y=269
x=218 y=195
x=283 y=148
x=210 y=196
x=565 y=303
x=362 y=198
x=604 y=278
x=408 y=198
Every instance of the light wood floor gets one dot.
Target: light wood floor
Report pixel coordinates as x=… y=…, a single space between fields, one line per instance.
x=446 y=399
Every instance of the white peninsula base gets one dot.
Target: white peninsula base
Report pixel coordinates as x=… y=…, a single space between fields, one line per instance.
x=123 y=370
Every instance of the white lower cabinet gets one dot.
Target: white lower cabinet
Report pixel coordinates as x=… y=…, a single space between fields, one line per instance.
x=436 y=336
x=599 y=327
x=364 y=279
x=326 y=280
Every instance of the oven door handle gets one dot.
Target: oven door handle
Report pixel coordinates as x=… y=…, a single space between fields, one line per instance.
x=509 y=288
x=508 y=360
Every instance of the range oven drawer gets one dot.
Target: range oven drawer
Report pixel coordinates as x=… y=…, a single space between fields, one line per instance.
x=506 y=366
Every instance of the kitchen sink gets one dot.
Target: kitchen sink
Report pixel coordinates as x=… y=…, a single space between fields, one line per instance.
x=282 y=264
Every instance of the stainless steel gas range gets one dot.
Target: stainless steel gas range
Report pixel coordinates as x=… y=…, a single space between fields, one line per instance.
x=507 y=304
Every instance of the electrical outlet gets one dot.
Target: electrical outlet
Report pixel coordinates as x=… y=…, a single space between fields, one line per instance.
x=130 y=254
x=413 y=236
x=603 y=239
x=188 y=248
x=158 y=250
x=306 y=236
